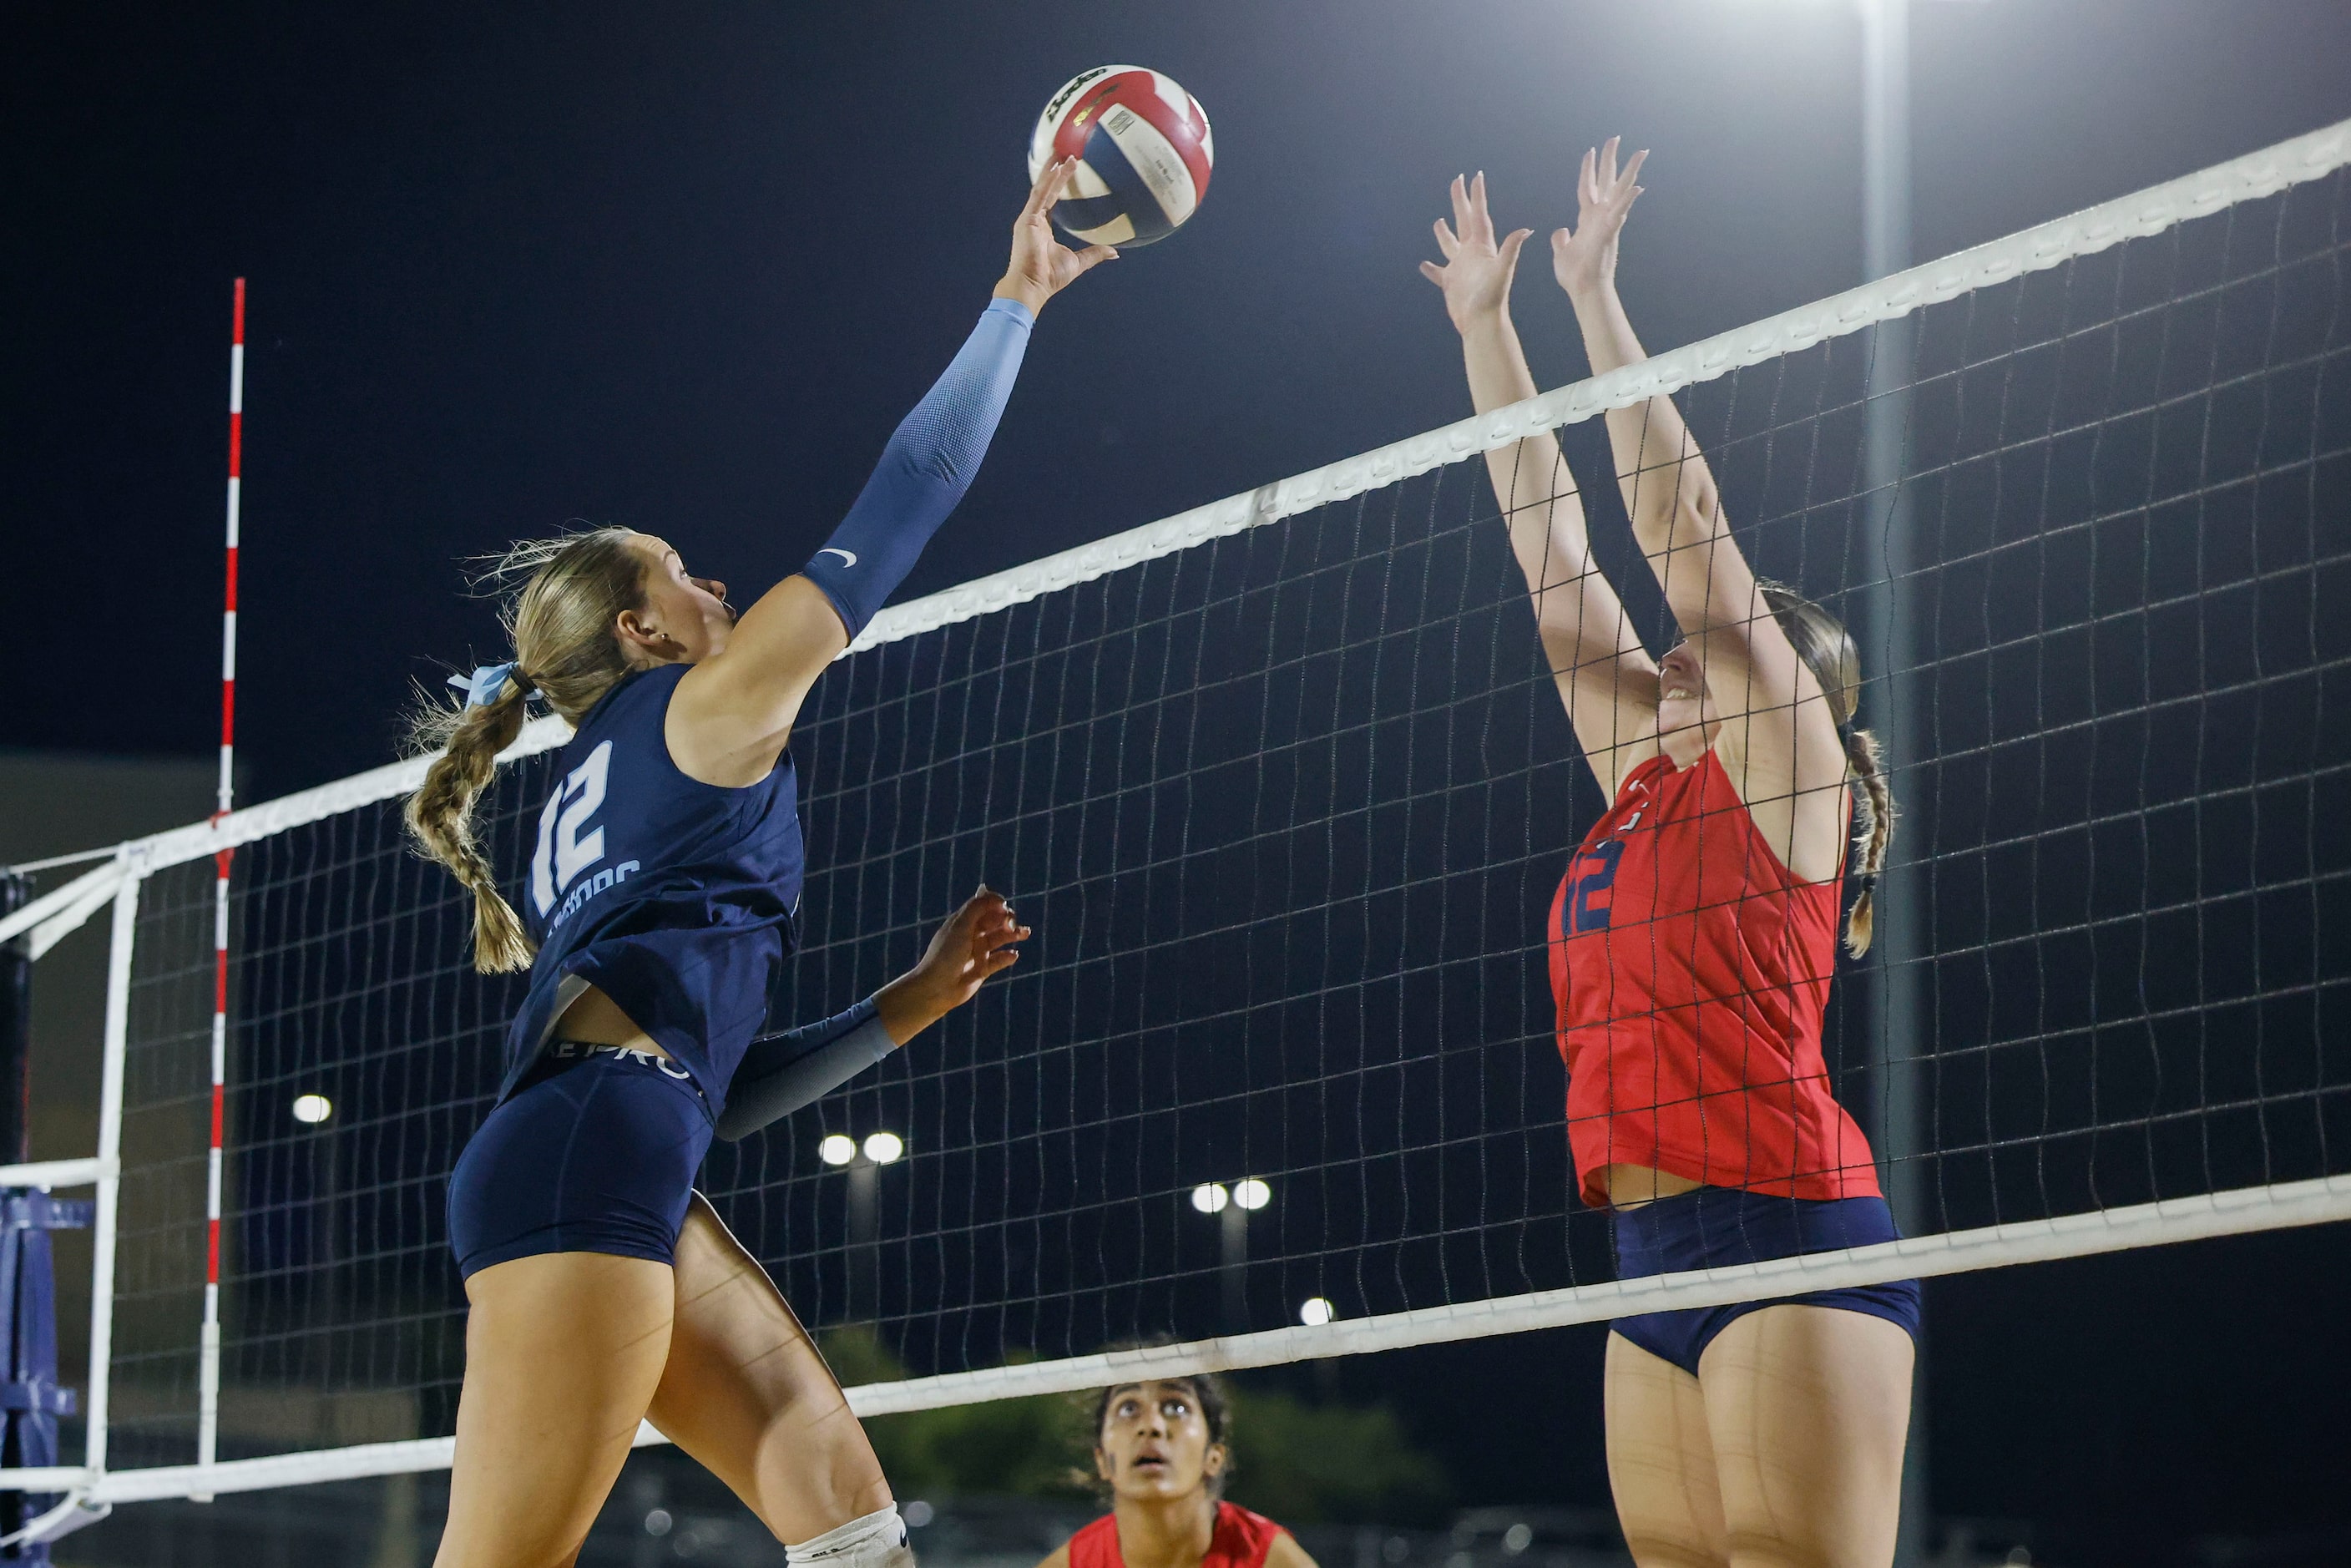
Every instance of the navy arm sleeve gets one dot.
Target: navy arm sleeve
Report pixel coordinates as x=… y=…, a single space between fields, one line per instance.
x=782 y=1073
x=925 y=470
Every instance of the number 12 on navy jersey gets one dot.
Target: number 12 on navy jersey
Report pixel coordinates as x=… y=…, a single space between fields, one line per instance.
x=566 y=845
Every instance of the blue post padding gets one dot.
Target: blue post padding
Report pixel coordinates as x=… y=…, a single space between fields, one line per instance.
x=30 y=1398
x=25 y=1209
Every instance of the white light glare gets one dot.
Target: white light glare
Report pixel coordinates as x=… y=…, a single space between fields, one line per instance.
x=1252 y=1193
x=1211 y=1198
x=1315 y=1312
x=312 y=1108
x=836 y=1150
x=883 y=1148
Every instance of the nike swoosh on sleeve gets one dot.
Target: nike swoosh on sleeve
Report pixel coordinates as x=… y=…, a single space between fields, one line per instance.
x=847 y=558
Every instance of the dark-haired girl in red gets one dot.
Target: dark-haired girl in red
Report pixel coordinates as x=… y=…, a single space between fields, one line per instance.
x=1160 y=1449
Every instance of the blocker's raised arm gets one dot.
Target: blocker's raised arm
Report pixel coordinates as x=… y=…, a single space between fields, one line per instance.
x=1780 y=741
x=1605 y=677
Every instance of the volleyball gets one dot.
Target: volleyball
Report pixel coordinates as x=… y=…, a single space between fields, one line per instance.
x=1146 y=152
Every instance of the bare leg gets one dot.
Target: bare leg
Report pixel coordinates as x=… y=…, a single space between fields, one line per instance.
x=1809 y=1408
x=1661 y=1461
x=747 y=1395
x=563 y=1352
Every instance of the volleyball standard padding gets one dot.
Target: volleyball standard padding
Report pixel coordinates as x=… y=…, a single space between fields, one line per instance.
x=1146 y=153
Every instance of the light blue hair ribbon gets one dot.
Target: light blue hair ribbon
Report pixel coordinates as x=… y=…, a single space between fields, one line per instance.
x=484 y=686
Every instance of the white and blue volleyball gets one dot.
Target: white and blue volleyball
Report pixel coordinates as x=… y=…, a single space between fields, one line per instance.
x=1144 y=153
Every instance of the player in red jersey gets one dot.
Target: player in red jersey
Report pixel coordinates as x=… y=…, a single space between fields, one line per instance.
x=1692 y=943
x=1160 y=1448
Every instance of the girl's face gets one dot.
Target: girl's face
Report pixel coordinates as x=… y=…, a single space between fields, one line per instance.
x=1154 y=1443
x=686 y=618
x=1686 y=720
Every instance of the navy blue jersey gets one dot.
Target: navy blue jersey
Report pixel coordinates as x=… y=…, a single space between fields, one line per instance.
x=673 y=897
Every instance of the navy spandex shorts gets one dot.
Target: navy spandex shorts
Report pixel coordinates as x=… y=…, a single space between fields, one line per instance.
x=1712 y=1226
x=596 y=1152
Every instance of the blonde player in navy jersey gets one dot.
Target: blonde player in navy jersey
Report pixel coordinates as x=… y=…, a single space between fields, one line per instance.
x=663 y=894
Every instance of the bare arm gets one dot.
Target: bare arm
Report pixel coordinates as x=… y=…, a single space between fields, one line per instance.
x=1605 y=678
x=1779 y=738
x=1670 y=492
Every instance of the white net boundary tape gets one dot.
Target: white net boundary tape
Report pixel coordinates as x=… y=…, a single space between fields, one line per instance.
x=2238 y=1212
x=2045 y=246
x=2140 y=213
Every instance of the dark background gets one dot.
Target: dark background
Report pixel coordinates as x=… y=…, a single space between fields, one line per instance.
x=682 y=269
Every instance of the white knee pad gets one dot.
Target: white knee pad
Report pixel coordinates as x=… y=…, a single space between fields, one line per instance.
x=876 y=1541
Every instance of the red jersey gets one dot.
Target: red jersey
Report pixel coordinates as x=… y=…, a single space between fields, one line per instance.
x=1691 y=970
x=1241 y=1540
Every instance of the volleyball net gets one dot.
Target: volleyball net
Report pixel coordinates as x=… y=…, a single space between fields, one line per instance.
x=1282 y=784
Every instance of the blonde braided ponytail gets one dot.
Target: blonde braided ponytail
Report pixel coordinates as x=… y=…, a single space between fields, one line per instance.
x=441 y=815
x=561 y=624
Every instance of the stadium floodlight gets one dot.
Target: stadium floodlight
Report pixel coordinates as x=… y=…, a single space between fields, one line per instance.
x=1211 y=1198
x=312 y=1109
x=883 y=1148
x=836 y=1150
x=1252 y=1193
x=1315 y=1310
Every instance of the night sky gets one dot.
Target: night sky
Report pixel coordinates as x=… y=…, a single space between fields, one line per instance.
x=683 y=268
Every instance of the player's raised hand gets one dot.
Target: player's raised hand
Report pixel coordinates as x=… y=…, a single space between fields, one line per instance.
x=1477 y=268
x=1584 y=259
x=1042 y=266
x=975 y=942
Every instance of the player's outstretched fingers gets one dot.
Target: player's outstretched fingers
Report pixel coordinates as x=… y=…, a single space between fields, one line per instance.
x=1046 y=189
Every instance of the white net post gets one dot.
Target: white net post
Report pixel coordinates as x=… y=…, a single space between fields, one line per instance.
x=121 y=948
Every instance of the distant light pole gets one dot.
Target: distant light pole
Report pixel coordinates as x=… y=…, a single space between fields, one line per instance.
x=1890 y=638
x=1888 y=632
x=1884 y=620
x=1233 y=1206
x=864 y=1162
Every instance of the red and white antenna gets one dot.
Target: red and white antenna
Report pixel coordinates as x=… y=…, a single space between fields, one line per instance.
x=208 y=1358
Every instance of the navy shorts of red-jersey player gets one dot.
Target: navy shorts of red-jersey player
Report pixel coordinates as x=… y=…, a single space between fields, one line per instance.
x=1691 y=970
x=1712 y=1227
